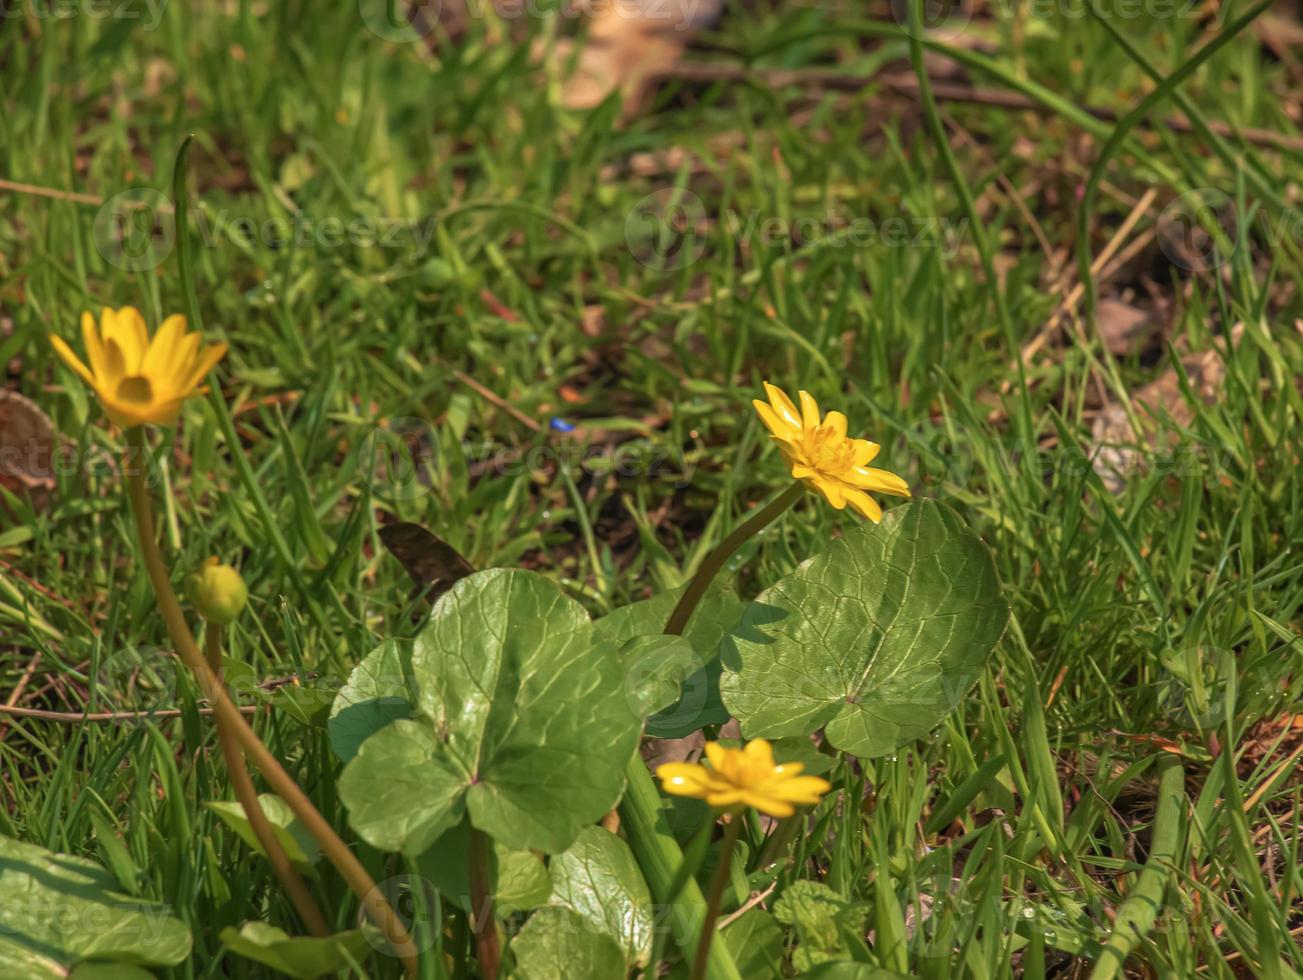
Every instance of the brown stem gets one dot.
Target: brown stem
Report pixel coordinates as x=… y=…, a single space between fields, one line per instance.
x=247 y=796
x=377 y=908
x=714 y=561
x=482 y=915
x=723 y=870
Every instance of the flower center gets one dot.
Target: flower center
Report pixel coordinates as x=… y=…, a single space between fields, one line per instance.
x=827 y=452
x=135 y=389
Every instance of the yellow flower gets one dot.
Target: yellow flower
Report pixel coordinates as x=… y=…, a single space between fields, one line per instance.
x=218 y=592
x=823 y=457
x=746 y=777
x=140 y=380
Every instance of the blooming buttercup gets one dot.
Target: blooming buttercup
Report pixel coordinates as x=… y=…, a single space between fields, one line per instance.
x=746 y=777
x=823 y=457
x=140 y=380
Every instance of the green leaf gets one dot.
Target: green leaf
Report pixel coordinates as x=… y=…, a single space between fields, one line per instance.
x=598 y=878
x=518 y=880
x=299 y=845
x=875 y=640
x=699 y=703
x=557 y=942
x=846 y=970
x=657 y=669
x=104 y=971
x=524 y=721
x=828 y=927
x=301 y=957
x=57 y=911
x=756 y=942
x=374 y=695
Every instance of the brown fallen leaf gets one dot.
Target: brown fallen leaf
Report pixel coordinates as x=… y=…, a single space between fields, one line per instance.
x=1118 y=451
x=628 y=45
x=434 y=565
x=658 y=751
x=26 y=449
x=1125 y=329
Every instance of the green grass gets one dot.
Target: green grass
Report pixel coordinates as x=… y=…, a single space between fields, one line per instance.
x=1158 y=619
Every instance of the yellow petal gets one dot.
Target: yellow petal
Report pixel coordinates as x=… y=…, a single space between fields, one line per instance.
x=760 y=753
x=864 y=505
x=771 y=805
x=773 y=422
x=90 y=336
x=135 y=323
x=187 y=350
x=115 y=365
x=782 y=405
x=717 y=754
x=71 y=359
x=163 y=349
x=864 y=451
x=127 y=328
x=206 y=361
x=836 y=421
x=832 y=492
x=809 y=410
x=881 y=481
x=789 y=769
x=683 y=779
x=126 y=412
x=726 y=796
x=802 y=789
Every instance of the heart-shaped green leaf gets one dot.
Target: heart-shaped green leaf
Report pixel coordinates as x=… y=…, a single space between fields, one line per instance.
x=301 y=957
x=523 y=721
x=557 y=942
x=657 y=668
x=57 y=911
x=699 y=702
x=598 y=878
x=876 y=639
x=374 y=695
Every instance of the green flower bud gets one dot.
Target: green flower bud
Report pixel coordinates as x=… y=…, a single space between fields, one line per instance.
x=217 y=591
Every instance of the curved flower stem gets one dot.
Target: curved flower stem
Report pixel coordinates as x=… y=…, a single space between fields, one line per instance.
x=657 y=852
x=337 y=852
x=718 y=881
x=660 y=859
x=482 y=917
x=247 y=796
x=723 y=551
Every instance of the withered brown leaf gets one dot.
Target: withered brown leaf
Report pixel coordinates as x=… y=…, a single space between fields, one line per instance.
x=26 y=448
x=434 y=565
